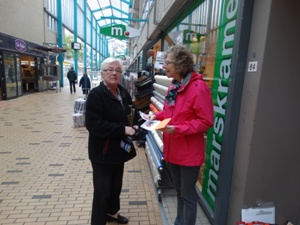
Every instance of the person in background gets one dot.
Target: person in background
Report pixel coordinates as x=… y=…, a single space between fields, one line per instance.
x=85 y=84
x=189 y=105
x=108 y=107
x=72 y=77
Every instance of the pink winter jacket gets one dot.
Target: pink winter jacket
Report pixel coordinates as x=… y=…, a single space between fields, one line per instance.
x=192 y=115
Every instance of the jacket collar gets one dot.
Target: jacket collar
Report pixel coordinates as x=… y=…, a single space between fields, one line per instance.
x=108 y=92
x=185 y=81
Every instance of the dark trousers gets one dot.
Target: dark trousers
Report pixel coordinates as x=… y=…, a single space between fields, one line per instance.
x=72 y=86
x=185 y=178
x=85 y=91
x=107 y=180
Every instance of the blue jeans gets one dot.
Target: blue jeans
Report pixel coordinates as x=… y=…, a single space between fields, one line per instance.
x=185 y=178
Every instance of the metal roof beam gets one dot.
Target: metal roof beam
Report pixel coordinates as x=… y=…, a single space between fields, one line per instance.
x=111 y=23
x=119 y=10
x=118 y=18
x=110 y=7
x=127 y=2
x=100 y=9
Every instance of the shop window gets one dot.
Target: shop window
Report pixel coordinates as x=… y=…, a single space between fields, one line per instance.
x=198 y=30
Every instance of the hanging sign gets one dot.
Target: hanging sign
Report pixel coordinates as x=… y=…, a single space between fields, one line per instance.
x=122 y=57
x=190 y=36
x=120 y=31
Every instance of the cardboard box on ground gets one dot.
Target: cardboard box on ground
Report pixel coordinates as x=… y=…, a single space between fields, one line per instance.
x=264 y=213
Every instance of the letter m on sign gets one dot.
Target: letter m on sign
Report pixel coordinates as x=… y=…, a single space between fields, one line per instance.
x=116 y=31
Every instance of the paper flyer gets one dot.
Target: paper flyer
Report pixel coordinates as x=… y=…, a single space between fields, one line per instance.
x=159 y=62
x=153 y=124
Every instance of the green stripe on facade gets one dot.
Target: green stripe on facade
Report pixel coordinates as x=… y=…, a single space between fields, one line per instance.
x=220 y=87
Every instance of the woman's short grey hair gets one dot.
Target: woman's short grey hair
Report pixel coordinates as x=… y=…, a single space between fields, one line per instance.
x=183 y=58
x=110 y=60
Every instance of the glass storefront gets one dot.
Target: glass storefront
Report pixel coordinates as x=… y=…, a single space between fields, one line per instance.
x=12 y=75
x=20 y=66
x=208 y=28
x=198 y=30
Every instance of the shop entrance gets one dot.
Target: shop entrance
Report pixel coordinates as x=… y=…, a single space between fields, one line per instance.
x=11 y=84
x=18 y=75
x=29 y=78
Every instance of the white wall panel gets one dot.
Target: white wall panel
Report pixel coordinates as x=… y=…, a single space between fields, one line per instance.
x=25 y=21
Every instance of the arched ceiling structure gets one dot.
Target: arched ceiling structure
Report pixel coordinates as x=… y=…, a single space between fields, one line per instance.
x=111 y=12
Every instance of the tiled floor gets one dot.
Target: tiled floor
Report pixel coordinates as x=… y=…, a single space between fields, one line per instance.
x=46 y=176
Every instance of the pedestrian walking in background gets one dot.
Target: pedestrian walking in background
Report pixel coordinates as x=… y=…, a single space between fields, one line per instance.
x=189 y=105
x=72 y=77
x=108 y=111
x=85 y=84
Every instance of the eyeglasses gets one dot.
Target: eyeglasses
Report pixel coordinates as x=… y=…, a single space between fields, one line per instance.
x=110 y=70
x=168 y=62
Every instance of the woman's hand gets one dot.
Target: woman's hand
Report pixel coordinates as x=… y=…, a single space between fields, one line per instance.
x=168 y=129
x=152 y=117
x=129 y=131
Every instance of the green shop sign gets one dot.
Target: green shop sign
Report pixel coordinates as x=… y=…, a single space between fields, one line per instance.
x=122 y=57
x=220 y=87
x=120 y=31
x=116 y=31
x=190 y=36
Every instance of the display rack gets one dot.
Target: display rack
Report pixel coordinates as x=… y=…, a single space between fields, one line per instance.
x=155 y=95
x=158 y=167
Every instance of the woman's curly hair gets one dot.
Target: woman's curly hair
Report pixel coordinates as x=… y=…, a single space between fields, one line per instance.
x=183 y=58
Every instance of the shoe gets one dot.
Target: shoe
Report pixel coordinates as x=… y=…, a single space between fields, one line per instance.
x=120 y=219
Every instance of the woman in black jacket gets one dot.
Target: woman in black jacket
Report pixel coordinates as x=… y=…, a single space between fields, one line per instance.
x=108 y=107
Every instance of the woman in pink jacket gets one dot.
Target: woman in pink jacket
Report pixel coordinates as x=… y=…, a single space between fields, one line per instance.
x=189 y=105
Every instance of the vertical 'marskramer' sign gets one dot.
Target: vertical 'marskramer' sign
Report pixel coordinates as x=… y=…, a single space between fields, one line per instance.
x=220 y=87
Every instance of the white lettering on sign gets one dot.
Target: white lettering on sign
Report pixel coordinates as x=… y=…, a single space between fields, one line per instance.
x=221 y=100
x=116 y=31
x=190 y=36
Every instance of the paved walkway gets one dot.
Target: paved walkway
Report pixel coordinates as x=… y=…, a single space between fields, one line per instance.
x=46 y=176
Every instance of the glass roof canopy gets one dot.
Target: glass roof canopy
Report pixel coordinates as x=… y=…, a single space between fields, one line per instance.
x=110 y=12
